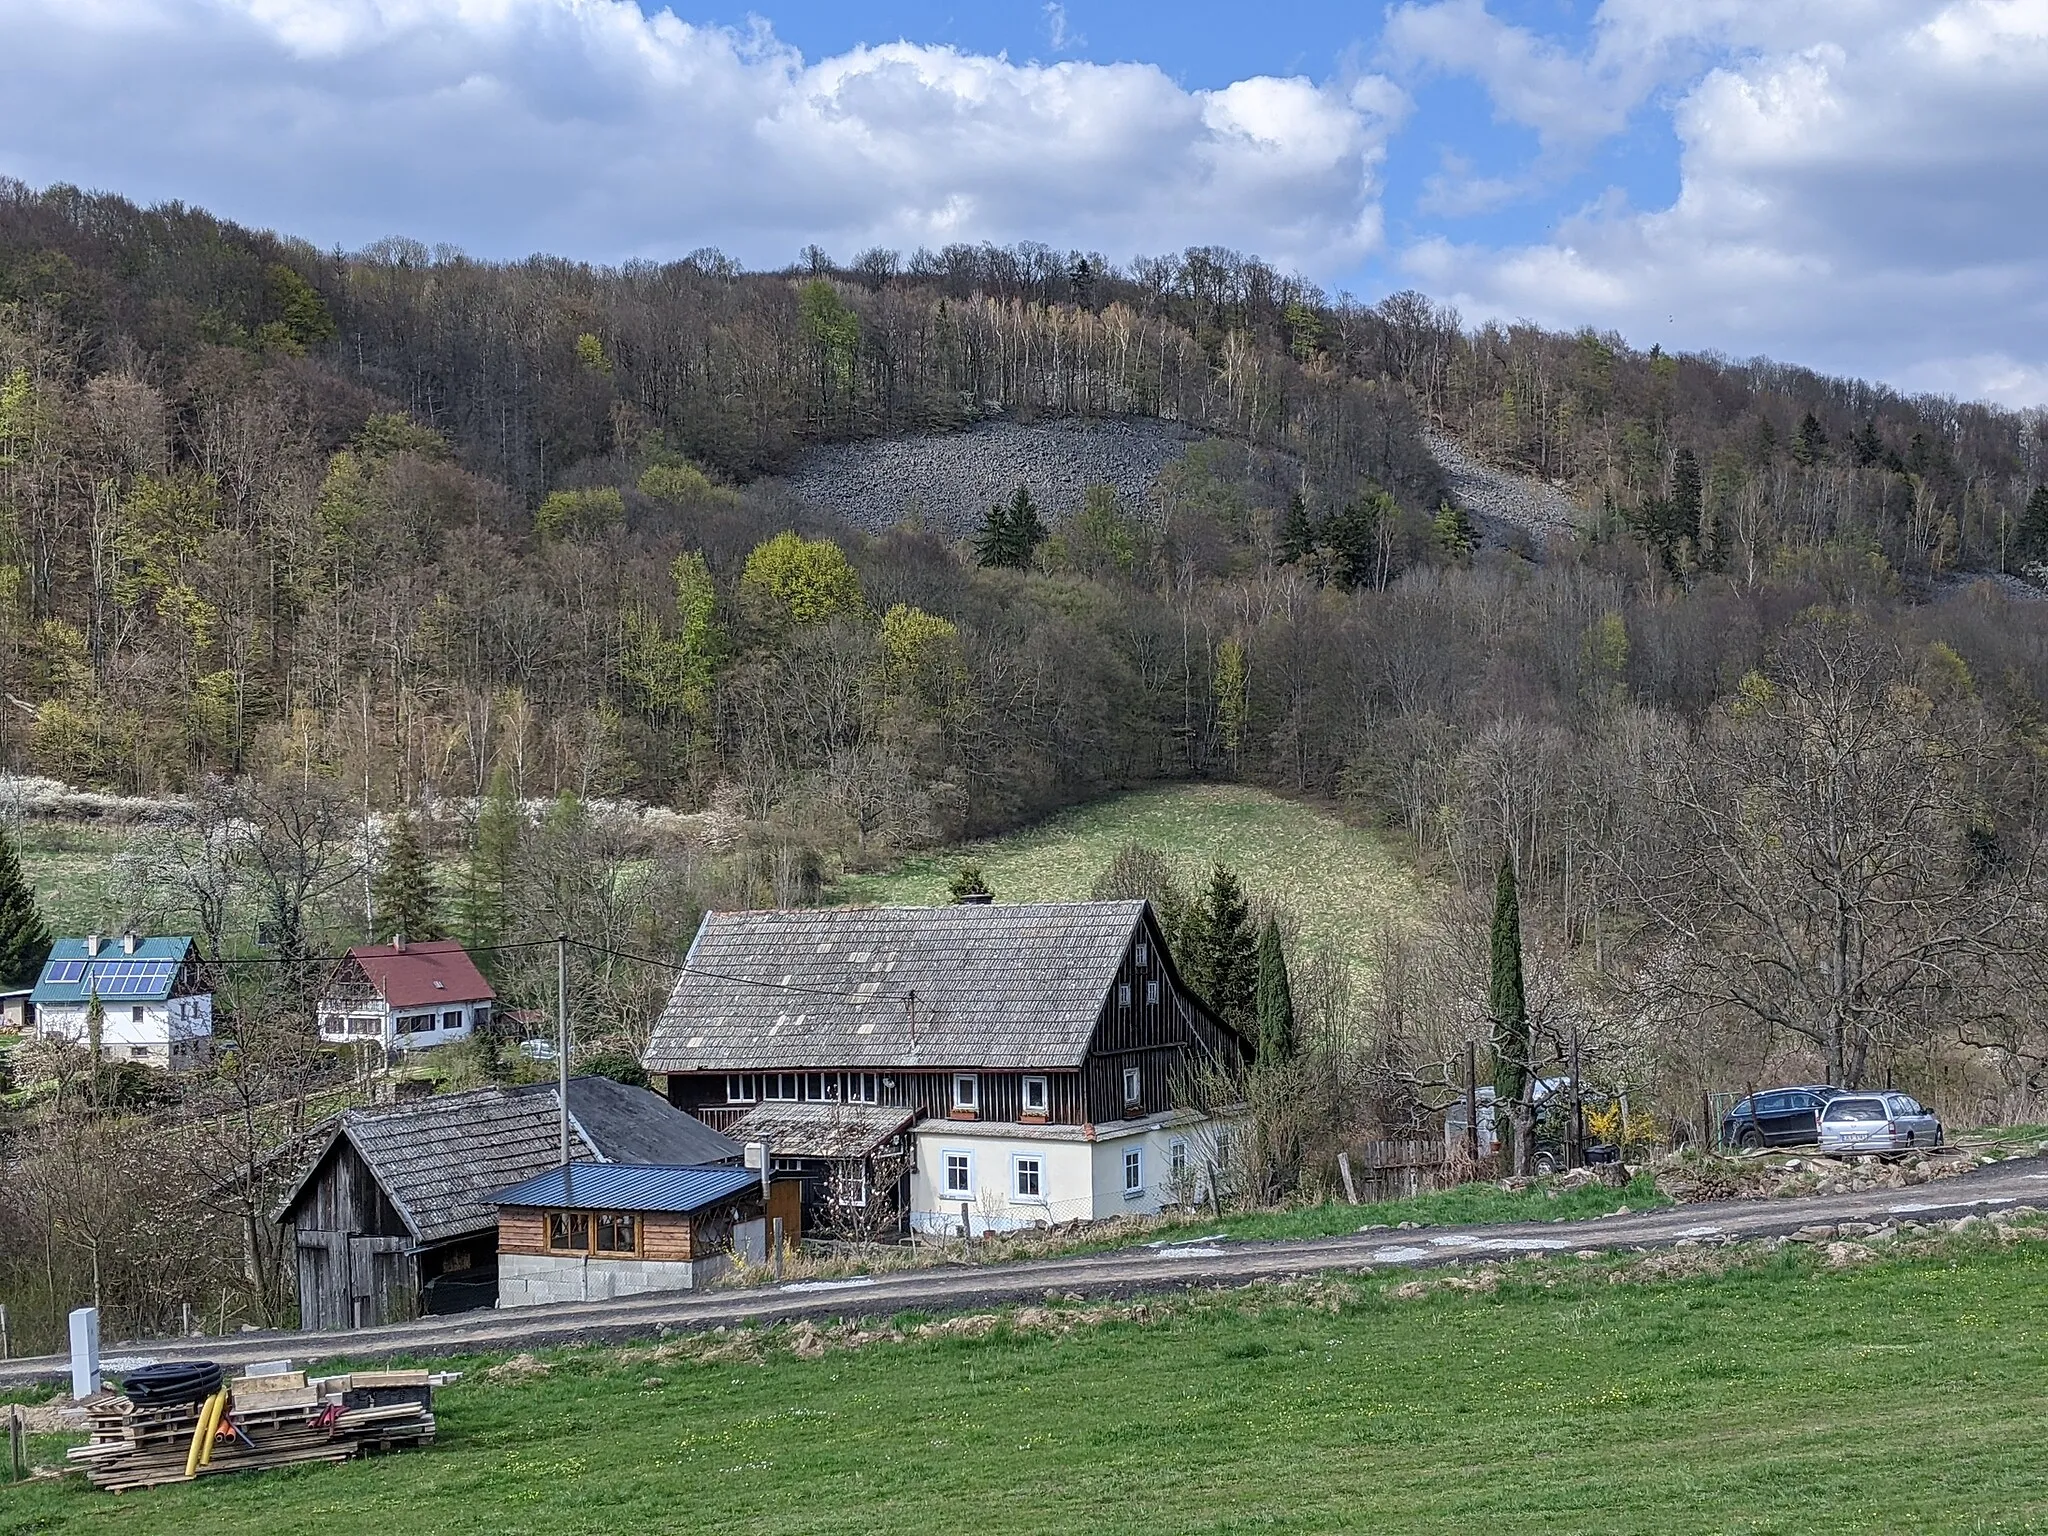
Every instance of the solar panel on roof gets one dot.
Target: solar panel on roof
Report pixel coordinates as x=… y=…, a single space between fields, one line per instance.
x=132 y=978
x=65 y=971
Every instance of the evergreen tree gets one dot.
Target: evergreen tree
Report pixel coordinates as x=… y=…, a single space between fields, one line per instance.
x=1297 y=532
x=1868 y=446
x=1353 y=537
x=486 y=900
x=2031 y=537
x=1687 y=496
x=402 y=893
x=1508 y=1003
x=24 y=939
x=1224 y=960
x=1275 y=1000
x=1454 y=531
x=1810 y=442
x=1011 y=533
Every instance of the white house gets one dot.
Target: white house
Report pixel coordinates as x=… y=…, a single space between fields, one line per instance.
x=405 y=996
x=151 y=1002
x=1040 y=1058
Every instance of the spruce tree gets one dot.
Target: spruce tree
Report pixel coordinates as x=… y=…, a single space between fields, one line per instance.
x=1275 y=1000
x=1011 y=533
x=1810 y=442
x=486 y=902
x=1508 y=1003
x=24 y=939
x=1225 y=960
x=402 y=893
x=2031 y=537
x=1297 y=533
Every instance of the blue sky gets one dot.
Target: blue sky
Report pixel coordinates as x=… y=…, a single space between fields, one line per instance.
x=1853 y=184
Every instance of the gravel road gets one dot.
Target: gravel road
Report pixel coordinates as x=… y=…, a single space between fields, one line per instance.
x=1195 y=1262
x=951 y=479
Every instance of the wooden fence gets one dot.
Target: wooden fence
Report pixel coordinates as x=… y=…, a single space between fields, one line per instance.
x=1394 y=1170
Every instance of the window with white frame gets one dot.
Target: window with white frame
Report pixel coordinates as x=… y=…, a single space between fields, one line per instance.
x=1123 y=994
x=739 y=1088
x=960 y=1175
x=966 y=1091
x=1152 y=992
x=863 y=1088
x=1035 y=1096
x=781 y=1087
x=1144 y=954
x=1134 y=1086
x=1177 y=1157
x=1134 y=1172
x=1027 y=1178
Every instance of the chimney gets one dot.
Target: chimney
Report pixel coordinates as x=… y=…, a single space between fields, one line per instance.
x=398 y=942
x=128 y=943
x=92 y=943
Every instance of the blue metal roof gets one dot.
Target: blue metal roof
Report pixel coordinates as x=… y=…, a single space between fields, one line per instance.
x=629 y=1187
x=74 y=975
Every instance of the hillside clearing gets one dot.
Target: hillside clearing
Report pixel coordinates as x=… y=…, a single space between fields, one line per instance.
x=1898 y=1394
x=1343 y=884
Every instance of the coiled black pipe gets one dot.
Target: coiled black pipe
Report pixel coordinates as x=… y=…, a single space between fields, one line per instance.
x=184 y=1382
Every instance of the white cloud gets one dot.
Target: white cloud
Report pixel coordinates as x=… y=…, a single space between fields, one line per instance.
x=587 y=128
x=1873 y=200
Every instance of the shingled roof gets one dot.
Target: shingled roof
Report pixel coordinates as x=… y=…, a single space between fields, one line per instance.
x=1001 y=987
x=440 y=1160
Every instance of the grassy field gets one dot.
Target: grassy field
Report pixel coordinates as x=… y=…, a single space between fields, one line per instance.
x=1343 y=884
x=71 y=865
x=1903 y=1395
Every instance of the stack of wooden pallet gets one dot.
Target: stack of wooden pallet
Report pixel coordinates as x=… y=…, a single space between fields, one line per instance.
x=279 y=1419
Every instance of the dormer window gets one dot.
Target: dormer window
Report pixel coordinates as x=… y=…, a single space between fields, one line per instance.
x=966 y=1092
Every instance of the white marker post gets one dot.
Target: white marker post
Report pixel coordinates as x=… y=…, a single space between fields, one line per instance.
x=85 y=1353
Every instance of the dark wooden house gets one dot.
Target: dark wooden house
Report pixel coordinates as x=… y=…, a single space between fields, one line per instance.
x=1043 y=1053
x=393 y=1217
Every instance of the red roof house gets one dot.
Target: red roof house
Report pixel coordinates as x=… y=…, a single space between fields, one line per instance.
x=405 y=996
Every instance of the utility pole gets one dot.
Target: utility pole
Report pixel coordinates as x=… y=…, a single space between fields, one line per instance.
x=1472 y=1101
x=562 y=1037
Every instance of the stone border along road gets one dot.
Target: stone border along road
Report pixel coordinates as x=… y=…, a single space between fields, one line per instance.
x=1165 y=1266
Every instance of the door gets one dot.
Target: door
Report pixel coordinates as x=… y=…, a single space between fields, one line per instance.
x=1801 y=1120
x=380 y=1289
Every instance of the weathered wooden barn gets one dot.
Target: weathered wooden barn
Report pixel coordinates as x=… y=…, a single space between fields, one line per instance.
x=393 y=1218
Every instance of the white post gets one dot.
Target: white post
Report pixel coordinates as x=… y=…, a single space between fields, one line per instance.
x=85 y=1353
x=562 y=1046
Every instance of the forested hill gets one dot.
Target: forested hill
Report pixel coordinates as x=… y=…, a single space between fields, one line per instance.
x=411 y=517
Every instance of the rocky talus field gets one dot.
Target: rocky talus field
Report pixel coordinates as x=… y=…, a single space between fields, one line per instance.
x=948 y=482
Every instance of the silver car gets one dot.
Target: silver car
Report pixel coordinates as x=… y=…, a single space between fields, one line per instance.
x=1878 y=1122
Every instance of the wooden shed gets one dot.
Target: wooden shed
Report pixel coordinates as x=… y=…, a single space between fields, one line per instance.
x=588 y=1233
x=393 y=1216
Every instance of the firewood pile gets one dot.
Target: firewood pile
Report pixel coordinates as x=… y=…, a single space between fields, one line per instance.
x=282 y=1418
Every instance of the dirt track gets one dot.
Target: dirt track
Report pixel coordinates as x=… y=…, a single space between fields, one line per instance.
x=1126 y=1272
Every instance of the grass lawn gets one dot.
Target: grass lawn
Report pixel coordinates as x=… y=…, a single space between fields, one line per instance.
x=1903 y=1395
x=71 y=866
x=1345 y=884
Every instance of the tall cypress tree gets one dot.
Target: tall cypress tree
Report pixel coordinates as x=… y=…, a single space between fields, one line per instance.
x=402 y=893
x=1225 y=956
x=1509 y=1005
x=1275 y=1000
x=24 y=938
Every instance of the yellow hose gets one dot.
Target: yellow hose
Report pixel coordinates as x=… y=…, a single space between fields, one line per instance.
x=198 y=1438
x=218 y=1408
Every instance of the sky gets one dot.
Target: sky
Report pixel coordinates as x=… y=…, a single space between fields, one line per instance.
x=1860 y=186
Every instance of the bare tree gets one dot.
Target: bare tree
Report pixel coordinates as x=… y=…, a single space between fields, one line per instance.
x=1825 y=863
